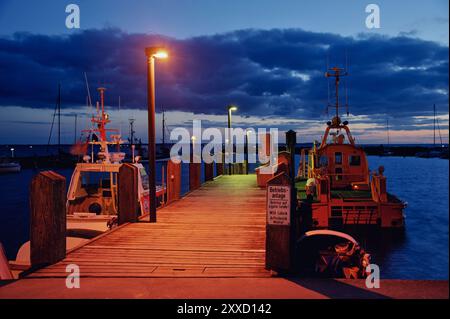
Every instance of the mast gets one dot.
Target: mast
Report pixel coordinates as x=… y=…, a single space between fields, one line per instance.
x=163 y=129
x=59 y=118
x=434 y=125
x=337 y=73
x=387 y=126
x=132 y=131
x=75 y=135
x=104 y=118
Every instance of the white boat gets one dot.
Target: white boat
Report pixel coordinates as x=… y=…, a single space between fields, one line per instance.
x=92 y=197
x=10 y=167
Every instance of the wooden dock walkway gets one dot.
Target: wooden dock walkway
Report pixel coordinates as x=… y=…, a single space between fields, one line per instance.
x=217 y=230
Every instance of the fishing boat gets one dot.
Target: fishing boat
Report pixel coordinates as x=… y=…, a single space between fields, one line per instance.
x=335 y=186
x=92 y=197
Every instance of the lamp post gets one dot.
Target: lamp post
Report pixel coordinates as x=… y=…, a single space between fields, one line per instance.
x=152 y=53
x=12 y=152
x=231 y=108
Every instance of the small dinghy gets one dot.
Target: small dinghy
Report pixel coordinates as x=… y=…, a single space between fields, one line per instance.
x=330 y=254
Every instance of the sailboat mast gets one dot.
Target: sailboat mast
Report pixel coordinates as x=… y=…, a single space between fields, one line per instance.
x=131 y=131
x=434 y=124
x=387 y=126
x=163 y=129
x=75 y=135
x=59 y=117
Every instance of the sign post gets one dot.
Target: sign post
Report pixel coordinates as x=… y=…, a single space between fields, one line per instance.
x=279 y=225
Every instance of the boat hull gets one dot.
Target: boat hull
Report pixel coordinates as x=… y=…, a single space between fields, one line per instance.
x=9 y=169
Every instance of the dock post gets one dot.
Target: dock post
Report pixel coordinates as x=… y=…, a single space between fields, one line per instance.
x=209 y=171
x=291 y=141
x=128 y=194
x=219 y=166
x=195 y=172
x=48 y=218
x=279 y=250
x=173 y=181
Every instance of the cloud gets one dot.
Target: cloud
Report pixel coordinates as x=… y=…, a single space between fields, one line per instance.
x=269 y=73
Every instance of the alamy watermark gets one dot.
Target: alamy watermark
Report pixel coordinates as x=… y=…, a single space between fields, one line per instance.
x=373 y=19
x=73 y=19
x=373 y=277
x=73 y=279
x=229 y=147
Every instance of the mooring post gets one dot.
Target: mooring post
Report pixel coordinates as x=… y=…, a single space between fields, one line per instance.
x=173 y=181
x=279 y=227
x=219 y=166
x=48 y=218
x=209 y=171
x=195 y=172
x=291 y=141
x=128 y=194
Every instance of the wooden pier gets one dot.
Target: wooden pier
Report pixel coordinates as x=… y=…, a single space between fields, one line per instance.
x=217 y=230
x=209 y=244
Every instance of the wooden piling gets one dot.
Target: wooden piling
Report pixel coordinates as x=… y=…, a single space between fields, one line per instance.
x=219 y=166
x=195 y=174
x=209 y=171
x=128 y=194
x=48 y=218
x=173 y=181
x=279 y=245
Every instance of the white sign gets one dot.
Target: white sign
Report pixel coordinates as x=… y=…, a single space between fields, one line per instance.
x=278 y=205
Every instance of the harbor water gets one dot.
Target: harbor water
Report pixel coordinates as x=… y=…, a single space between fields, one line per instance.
x=418 y=252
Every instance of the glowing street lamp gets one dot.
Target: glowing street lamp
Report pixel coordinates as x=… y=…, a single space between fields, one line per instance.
x=231 y=108
x=12 y=152
x=152 y=53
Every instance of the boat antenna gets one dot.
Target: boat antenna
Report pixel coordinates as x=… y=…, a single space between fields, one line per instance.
x=59 y=118
x=88 y=90
x=328 y=84
x=345 y=83
x=337 y=73
x=53 y=123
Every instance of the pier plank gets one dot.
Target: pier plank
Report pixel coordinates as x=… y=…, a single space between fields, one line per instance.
x=218 y=230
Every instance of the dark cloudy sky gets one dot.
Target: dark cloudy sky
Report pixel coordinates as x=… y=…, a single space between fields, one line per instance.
x=268 y=57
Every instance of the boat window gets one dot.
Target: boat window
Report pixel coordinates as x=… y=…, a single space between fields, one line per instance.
x=323 y=161
x=144 y=178
x=355 y=160
x=338 y=158
x=93 y=181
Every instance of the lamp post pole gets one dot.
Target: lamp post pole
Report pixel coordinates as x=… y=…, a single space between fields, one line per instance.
x=229 y=140
x=230 y=108
x=151 y=133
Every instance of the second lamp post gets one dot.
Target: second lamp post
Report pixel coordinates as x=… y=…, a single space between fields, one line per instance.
x=230 y=108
